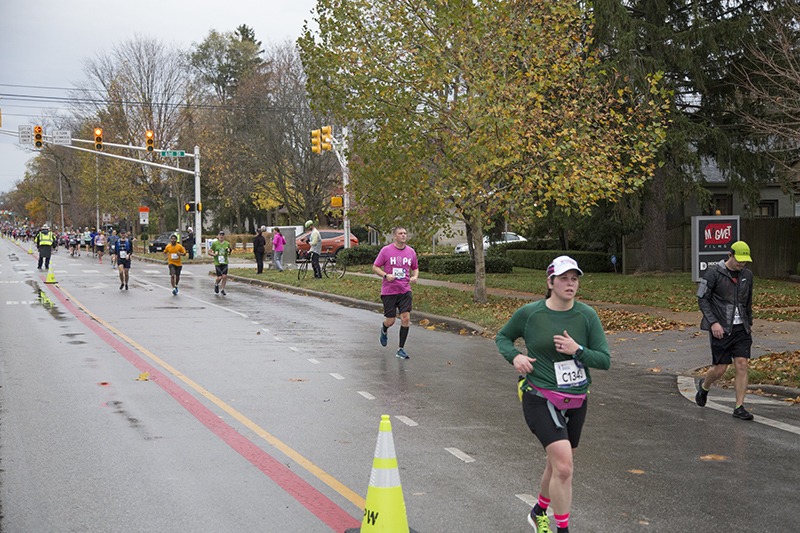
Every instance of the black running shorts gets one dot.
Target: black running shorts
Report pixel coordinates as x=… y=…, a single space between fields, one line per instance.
x=540 y=421
x=737 y=344
x=222 y=270
x=175 y=270
x=394 y=302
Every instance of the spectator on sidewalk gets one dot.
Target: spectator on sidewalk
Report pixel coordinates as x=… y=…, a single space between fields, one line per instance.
x=725 y=297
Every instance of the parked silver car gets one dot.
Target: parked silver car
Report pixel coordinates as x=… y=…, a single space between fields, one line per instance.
x=506 y=236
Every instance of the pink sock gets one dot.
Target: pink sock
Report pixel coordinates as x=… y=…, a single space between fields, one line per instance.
x=544 y=503
x=562 y=520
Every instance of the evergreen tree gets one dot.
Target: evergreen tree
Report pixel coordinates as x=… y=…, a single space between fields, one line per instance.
x=697 y=45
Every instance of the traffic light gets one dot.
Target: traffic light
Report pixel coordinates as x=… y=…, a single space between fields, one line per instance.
x=38 y=140
x=327 y=138
x=316 y=141
x=149 y=140
x=98 y=139
x=188 y=207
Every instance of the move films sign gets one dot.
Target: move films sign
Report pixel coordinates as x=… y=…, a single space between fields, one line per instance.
x=711 y=240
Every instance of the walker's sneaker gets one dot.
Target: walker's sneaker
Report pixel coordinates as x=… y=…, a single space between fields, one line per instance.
x=121 y=286
x=126 y=286
x=384 y=337
x=224 y=293
x=402 y=354
x=540 y=523
x=702 y=395
x=216 y=288
x=742 y=414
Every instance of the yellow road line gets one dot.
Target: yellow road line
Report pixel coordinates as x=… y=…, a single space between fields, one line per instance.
x=320 y=474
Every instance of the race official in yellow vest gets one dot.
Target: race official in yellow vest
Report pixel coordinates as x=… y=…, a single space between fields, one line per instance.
x=44 y=242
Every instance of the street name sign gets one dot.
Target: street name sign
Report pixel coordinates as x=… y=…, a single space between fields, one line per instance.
x=172 y=153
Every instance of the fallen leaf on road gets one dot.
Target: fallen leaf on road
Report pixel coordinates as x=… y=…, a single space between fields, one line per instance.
x=296 y=379
x=714 y=457
x=258 y=333
x=655 y=369
x=655 y=349
x=636 y=471
x=673 y=350
x=431 y=327
x=424 y=322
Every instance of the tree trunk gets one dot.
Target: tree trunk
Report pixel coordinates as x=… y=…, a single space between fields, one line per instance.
x=653 y=256
x=480 y=264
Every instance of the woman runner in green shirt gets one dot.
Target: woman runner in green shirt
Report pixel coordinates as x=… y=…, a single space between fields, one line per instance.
x=563 y=338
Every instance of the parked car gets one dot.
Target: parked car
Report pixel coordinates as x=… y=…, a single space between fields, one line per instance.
x=506 y=236
x=332 y=242
x=159 y=243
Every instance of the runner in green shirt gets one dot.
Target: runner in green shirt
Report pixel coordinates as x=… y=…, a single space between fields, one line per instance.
x=220 y=250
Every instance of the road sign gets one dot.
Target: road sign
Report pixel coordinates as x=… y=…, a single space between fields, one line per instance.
x=62 y=137
x=106 y=217
x=144 y=215
x=26 y=134
x=172 y=153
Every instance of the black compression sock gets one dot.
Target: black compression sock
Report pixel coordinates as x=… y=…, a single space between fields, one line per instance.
x=403 y=335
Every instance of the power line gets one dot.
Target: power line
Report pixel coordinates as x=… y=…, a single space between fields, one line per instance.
x=103 y=101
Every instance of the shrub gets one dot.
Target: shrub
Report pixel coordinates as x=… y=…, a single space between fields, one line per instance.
x=541 y=259
x=501 y=249
x=463 y=264
x=363 y=254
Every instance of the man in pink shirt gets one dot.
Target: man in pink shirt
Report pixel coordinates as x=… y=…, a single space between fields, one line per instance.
x=397 y=265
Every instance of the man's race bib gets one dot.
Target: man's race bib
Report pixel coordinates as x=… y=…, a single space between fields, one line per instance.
x=570 y=373
x=222 y=259
x=399 y=273
x=173 y=256
x=123 y=254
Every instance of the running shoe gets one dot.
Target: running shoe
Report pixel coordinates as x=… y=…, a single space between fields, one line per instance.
x=702 y=395
x=101 y=262
x=540 y=523
x=384 y=337
x=742 y=414
x=126 y=286
x=175 y=290
x=216 y=288
x=121 y=286
x=401 y=354
x=223 y=292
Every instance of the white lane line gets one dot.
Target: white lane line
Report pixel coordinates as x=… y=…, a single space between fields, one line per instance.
x=278 y=339
x=405 y=420
x=366 y=395
x=254 y=322
x=151 y=271
x=90 y=271
x=184 y=295
x=461 y=455
x=17 y=281
x=314 y=362
x=688 y=390
x=528 y=498
x=292 y=348
x=337 y=376
x=265 y=329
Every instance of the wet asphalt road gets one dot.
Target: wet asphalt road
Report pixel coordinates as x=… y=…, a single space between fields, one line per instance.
x=263 y=375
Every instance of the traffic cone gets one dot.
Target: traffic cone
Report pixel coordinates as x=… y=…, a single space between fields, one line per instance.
x=51 y=277
x=30 y=248
x=385 y=509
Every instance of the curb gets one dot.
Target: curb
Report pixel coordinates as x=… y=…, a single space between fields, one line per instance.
x=451 y=324
x=779 y=390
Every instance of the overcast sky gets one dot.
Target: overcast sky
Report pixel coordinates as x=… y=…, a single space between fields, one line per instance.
x=43 y=44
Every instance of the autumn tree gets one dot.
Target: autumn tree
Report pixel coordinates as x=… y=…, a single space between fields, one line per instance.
x=769 y=99
x=465 y=110
x=139 y=85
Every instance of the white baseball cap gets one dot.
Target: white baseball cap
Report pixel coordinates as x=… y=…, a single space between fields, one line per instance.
x=561 y=264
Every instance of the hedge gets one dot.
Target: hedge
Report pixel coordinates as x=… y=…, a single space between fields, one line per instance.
x=363 y=254
x=462 y=264
x=541 y=259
